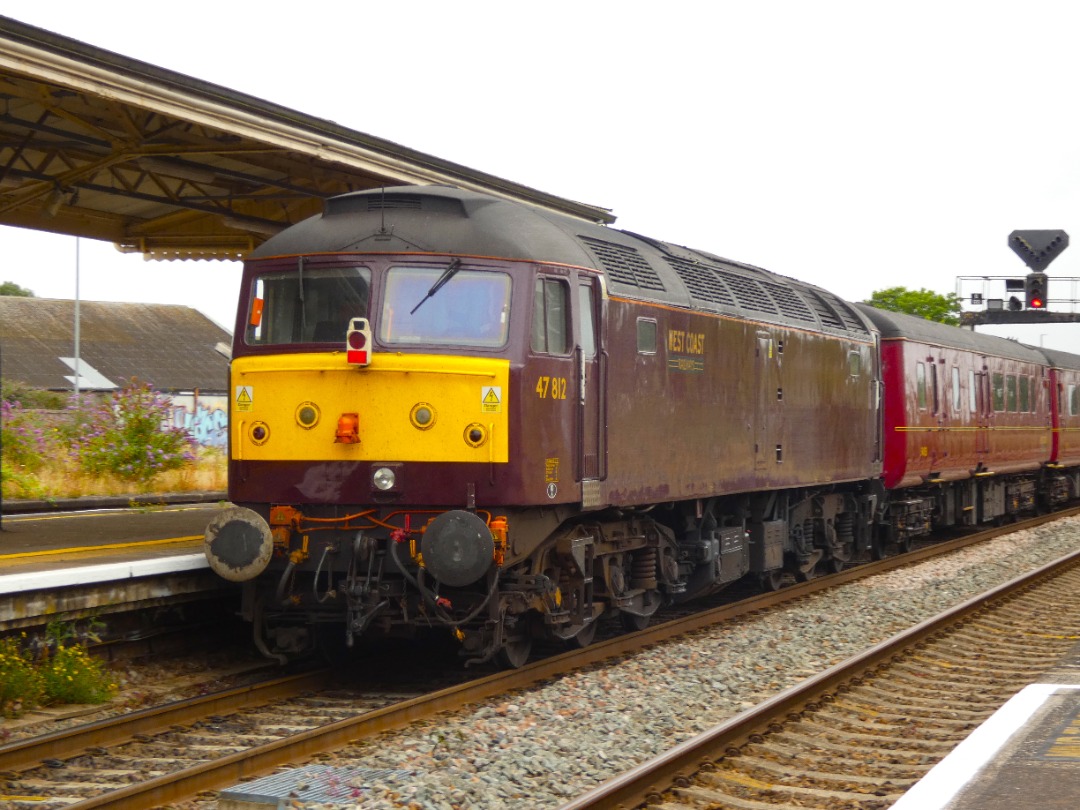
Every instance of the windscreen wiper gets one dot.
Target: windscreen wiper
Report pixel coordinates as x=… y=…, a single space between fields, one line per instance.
x=447 y=274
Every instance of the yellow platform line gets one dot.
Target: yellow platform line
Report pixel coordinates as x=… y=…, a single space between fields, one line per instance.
x=106 y=547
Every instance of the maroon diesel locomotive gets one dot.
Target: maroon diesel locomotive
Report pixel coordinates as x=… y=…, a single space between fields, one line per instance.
x=455 y=411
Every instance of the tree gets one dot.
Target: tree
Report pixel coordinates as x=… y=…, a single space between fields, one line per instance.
x=11 y=288
x=921 y=302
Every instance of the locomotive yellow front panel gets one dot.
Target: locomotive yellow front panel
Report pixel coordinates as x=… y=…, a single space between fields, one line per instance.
x=402 y=407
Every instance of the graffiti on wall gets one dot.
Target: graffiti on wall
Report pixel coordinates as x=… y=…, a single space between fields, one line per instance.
x=206 y=418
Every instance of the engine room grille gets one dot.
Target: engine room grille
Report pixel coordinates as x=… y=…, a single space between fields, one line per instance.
x=790 y=303
x=383 y=202
x=834 y=312
x=624 y=264
x=749 y=293
x=702 y=281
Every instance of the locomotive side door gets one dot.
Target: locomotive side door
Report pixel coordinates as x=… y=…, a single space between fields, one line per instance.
x=766 y=452
x=592 y=450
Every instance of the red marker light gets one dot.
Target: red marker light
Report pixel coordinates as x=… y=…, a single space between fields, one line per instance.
x=356 y=342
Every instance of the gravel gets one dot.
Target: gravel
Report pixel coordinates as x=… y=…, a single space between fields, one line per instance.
x=538 y=749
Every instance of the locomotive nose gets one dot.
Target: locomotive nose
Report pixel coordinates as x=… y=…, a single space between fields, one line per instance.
x=238 y=544
x=457 y=548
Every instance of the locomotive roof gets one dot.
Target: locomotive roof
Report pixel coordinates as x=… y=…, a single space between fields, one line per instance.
x=898 y=325
x=436 y=219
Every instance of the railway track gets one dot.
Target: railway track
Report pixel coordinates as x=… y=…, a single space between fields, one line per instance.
x=860 y=734
x=132 y=761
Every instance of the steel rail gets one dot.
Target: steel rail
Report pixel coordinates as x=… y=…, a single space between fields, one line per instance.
x=259 y=760
x=645 y=782
x=30 y=753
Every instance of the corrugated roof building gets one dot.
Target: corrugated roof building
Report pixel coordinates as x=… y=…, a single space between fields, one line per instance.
x=173 y=348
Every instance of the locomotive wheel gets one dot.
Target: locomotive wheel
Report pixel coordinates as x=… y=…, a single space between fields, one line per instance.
x=586 y=635
x=772 y=580
x=632 y=622
x=515 y=653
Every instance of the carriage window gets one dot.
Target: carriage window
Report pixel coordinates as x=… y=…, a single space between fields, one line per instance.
x=920 y=384
x=428 y=305
x=955 y=389
x=997 y=394
x=306 y=304
x=550 y=334
x=935 y=398
x=973 y=402
x=586 y=320
x=1010 y=393
x=1025 y=394
x=646 y=336
x=1074 y=400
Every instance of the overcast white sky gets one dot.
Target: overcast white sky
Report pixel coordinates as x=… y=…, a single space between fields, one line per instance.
x=855 y=145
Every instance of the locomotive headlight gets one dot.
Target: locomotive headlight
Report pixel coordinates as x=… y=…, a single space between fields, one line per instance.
x=307 y=415
x=384 y=479
x=422 y=416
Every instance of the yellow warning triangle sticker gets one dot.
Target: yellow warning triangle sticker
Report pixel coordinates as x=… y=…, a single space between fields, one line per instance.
x=491 y=398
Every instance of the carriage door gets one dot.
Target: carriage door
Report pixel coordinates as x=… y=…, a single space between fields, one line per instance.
x=592 y=449
x=985 y=411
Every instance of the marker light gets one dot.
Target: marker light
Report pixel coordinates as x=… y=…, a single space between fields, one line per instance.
x=357 y=342
x=259 y=433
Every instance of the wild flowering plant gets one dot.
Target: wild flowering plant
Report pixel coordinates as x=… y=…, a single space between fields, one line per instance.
x=24 y=440
x=25 y=448
x=126 y=436
x=21 y=684
x=72 y=676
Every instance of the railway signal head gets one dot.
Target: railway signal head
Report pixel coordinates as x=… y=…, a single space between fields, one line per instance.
x=1035 y=290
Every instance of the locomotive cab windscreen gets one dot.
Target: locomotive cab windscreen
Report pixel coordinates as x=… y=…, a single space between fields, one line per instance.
x=306 y=305
x=446 y=306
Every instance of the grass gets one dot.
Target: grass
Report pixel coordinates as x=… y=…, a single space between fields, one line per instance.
x=60 y=478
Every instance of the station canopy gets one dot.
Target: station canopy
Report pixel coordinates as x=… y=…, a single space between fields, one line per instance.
x=97 y=145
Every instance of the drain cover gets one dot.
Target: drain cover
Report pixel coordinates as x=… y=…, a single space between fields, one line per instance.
x=318 y=784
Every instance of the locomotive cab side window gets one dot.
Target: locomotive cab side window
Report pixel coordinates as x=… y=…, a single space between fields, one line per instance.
x=306 y=304
x=550 y=326
x=587 y=321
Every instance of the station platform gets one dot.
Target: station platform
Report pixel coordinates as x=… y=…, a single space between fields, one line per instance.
x=68 y=565
x=1025 y=756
